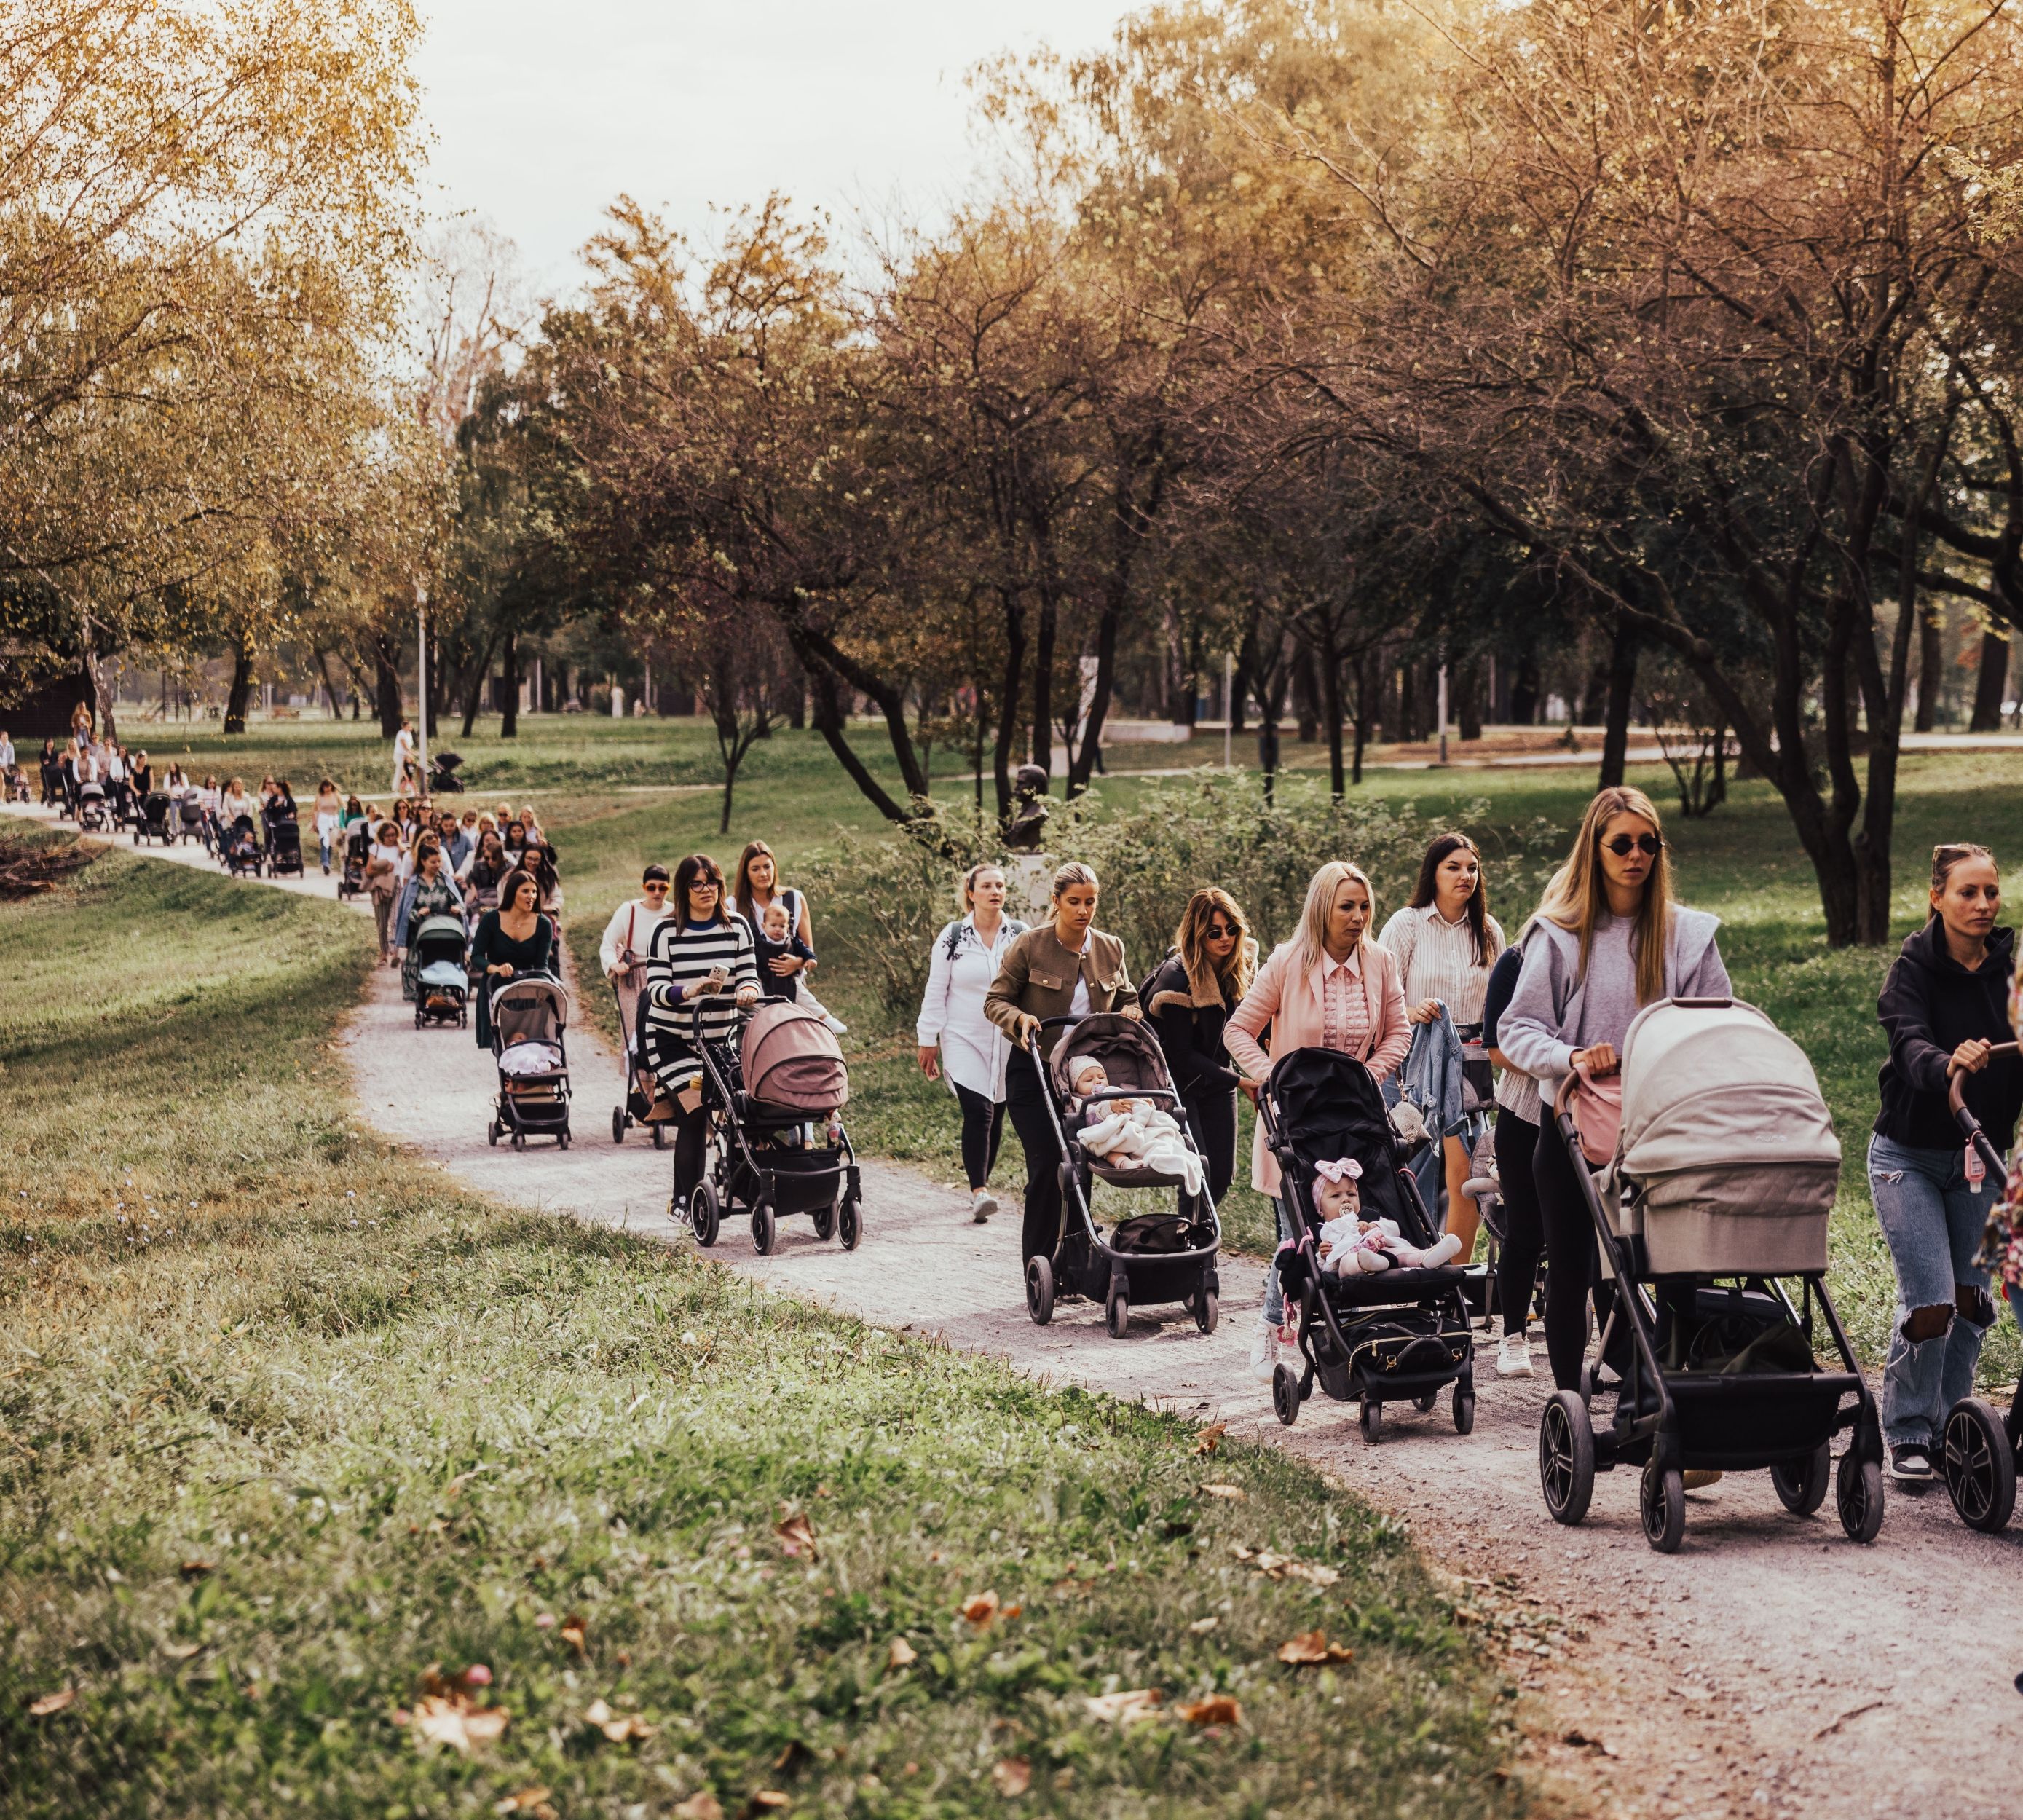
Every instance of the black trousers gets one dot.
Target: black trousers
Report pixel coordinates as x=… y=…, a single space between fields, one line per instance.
x=1524 y=1237
x=1573 y=1250
x=1211 y=1117
x=982 y=1129
x=691 y=1152
x=1025 y=1100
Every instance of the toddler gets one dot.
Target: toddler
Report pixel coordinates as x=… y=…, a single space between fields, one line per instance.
x=773 y=938
x=1349 y=1243
x=1131 y=1134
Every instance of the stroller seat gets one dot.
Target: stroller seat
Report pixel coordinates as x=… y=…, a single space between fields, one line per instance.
x=1374 y=1288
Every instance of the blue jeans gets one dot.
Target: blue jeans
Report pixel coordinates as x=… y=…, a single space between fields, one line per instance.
x=1274 y=1292
x=1932 y=1220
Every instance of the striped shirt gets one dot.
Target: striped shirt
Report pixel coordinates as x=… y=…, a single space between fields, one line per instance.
x=1436 y=959
x=677 y=956
x=1344 y=1011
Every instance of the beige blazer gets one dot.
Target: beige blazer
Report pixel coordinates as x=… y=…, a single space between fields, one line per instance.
x=1037 y=976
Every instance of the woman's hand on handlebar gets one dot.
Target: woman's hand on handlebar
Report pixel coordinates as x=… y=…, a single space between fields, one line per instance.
x=930 y=1061
x=503 y=969
x=1249 y=1089
x=1970 y=1058
x=1025 y=1029
x=1132 y=1009
x=1600 y=1058
x=748 y=996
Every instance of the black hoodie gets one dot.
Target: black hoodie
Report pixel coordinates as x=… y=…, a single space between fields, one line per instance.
x=1929 y=1006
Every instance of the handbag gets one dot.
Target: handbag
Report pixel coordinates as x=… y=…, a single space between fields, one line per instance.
x=1595 y=1106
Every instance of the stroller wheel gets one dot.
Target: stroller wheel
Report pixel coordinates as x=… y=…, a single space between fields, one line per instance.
x=1425 y=1404
x=519 y=1140
x=1802 y=1484
x=763 y=1228
x=562 y=1138
x=1205 y=1310
x=617 y=1124
x=1371 y=1420
x=1284 y=1394
x=1040 y=1290
x=705 y=1213
x=849 y=1222
x=660 y=1136
x=491 y=1133
x=1566 y=1457
x=1859 y=1493
x=824 y=1219
x=1980 y=1468
x=1464 y=1410
x=1117 y=1315
x=1661 y=1501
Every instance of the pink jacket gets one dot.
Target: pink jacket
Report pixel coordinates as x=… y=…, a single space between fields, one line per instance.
x=1290 y=1007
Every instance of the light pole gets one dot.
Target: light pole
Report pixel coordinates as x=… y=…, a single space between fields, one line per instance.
x=422 y=705
x=1443 y=712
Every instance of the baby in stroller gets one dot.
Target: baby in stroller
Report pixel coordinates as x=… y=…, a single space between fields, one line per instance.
x=1350 y=1243
x=1129 y=1134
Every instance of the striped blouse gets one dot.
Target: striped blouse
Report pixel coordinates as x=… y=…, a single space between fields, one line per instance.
x=1436 y=959
x=677 y=956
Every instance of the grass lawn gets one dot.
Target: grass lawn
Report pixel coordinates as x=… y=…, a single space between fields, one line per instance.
x=289 y=1425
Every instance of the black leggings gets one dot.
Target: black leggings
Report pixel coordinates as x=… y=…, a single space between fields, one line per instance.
x=982 y=1126
x=1524 y=1237
x=1040 y=1234
x=1212 y=1118
x=1573 y=1251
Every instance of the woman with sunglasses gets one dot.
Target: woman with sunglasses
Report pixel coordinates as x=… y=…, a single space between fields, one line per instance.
x=1607 y=941
x=1190 y=997
x=626 y=938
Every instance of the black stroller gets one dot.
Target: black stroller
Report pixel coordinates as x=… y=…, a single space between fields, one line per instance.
x=1399 y=1335
x=1722 y=1184
x=357 y=850
x=241 y=852
x=780 y=1148
x=530 y=1046
x=157 y=821
x=285 y=846
x=443 y=780
x=190 y=824
x=1149 y=1258
x=94 y=812
x=646 y=1101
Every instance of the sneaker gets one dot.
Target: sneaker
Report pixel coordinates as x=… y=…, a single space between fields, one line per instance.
x=1911 y=1464
x=836 y=1026
x=983 y=1206
x=1513 y=1357
x=1264 y=1348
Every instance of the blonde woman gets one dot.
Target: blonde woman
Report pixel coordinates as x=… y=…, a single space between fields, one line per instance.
x=1607 y=941
x=1330 y=987
x=1190 y=997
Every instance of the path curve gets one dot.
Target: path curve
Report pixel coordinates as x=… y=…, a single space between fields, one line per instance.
x=1770 y=1668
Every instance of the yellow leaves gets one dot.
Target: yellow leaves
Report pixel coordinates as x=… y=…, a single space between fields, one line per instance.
x=765 y=1798
x=797 y=1535
x=1311 y=1647
x=1216 y=1709
x=180 y=1652
x=1012 y=1777
x=1209 y=1439
x=901 y=1654
x=50 y=1705
x=1128 y=1708
x=618 y=1727
x=197 y=1569
x=1233 y=1494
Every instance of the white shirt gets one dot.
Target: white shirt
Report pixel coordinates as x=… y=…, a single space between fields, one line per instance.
x=1436 y=959
x=6 y=753
x=973 y=1049
x=631 y=926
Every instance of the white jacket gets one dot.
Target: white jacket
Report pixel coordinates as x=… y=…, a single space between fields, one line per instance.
x=631 y=926
x=974 y=1050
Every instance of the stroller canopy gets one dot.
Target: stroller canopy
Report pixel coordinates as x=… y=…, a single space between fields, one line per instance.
x=789 y=1059
x=1129 y=1052
x=532 y=1009
x=440 y=938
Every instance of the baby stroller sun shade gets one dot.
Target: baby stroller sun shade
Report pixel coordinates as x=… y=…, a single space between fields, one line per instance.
x=789 y=1060
x=530 y=1009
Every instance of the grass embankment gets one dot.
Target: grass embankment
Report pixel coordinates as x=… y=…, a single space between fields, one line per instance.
x=287 y=1420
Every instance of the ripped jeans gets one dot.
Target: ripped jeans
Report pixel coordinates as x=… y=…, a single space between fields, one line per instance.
x=1932 y=1220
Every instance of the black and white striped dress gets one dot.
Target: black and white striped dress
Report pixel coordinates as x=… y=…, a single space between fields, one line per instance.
x=677 y=956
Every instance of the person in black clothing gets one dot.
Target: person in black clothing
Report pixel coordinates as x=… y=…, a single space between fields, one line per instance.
x=773 y=937
x=1944 y=1006
x=512 y=940
x=1518 y=1112
x=1190 y=998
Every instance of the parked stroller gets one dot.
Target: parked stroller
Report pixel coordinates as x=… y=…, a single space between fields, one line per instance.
x=189 y=818
x=442 y=987
x=529 y=1042
x=443 y=780
x=780 y=1147
x=1722 y=1183
x=357 y=850
x=646 y=1102
x=1399 y=1335
x=17 y=785
x=241 y=851
x=284 y=847
x=157 y=820
x=1143 y=1258
x=94 y=814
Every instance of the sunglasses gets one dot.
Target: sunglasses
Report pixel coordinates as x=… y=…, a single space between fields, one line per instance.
x=1623 y=845
x=656 y=884
x=1218 y=931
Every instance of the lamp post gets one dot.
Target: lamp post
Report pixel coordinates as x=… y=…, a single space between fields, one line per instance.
x=422 y=705
x=1444 y=712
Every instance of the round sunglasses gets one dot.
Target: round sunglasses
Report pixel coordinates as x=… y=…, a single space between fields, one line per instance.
x=1623 y=845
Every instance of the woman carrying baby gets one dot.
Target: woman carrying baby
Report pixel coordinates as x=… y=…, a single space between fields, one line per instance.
x=1330 y=987
x=1064 y=968
x=1190 y=997
x=1349 y=1243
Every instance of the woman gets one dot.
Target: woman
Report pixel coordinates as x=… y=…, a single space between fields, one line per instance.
x=1518 y=1113
x=52 y=774
x=354 y=810
x=329 y=821
x=540 y=861
x=429 y=891
x=210 y=799
x=385 y=865
x=235 y=803
x=956 y=1040
x=1190 y=997
x=513 y=939
x=1445 y=942
x=1607 y=940
x=513 y=837
x=482 y=873
x=529 y=820
x=622 y=952
x=140 y=774
x=403 y=817
x=1330 y=987
x=1065 y=968
x=756 y=885
x=176 y=781
x=699 y=950
x=1945 y=1003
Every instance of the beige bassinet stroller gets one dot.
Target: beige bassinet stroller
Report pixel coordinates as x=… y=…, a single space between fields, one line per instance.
x=1722 y=1183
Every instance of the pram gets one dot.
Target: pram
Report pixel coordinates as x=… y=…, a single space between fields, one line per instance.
x=646 y=1102
x=93 y=812
x=529 y=1042
x=16 y=785
x=443 y=780
x=1145 y=1258
x=442 y=987
x=358 y=849
x=780 y=1147
x=285 y=846
x=156 y=819
x=189 y=818
x=1399 y=1335
x=1726 y=1169
x=241 y=852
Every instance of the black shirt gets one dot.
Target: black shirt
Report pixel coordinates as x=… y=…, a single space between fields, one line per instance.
x=1929 y=1005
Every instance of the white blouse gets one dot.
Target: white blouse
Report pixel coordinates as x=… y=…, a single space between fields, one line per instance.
x=1436 y=959
x=973 y=1049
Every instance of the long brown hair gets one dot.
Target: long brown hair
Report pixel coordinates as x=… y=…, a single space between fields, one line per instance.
x=1427 y=891
x=1232 y=978
x=698 y=865
x=740 y=891
x=1577 y=897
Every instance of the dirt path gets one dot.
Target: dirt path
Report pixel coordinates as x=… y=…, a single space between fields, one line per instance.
x=1771 y=1668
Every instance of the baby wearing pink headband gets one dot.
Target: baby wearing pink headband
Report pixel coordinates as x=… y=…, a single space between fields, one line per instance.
x=1348 y=1242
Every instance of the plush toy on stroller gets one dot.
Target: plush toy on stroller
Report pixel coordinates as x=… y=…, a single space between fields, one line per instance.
x=1721 y=1183
x=442 y=987
x=530 y=1043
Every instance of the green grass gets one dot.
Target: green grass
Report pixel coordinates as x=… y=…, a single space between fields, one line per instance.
x=285 y=1419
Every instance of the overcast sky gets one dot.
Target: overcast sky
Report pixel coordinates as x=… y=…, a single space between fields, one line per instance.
x=543 y=110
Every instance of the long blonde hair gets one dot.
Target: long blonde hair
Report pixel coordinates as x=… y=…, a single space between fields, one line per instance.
x=1311 y=943
x=1577 y=896
x=1232 y=980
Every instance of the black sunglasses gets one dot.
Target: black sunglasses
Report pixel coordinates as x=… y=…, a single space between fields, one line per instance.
x=1623 y=845
x=1215 y=932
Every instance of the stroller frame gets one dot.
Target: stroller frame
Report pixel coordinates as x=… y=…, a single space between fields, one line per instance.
x=424 y=1015
x=738 y=1180
x=351 y=870
x=517 y=1118
x=156 y=820
x=1083 y=1263
x=656 y=1110
x=1667 y=1421
x=284 y=847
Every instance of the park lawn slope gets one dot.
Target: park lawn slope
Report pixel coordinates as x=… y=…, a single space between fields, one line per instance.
x=286 y=1420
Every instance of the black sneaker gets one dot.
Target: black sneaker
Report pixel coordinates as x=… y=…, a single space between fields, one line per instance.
x=1911 y=1464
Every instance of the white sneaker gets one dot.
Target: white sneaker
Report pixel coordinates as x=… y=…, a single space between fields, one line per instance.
x=836 y=1026
x=1513 y=1357
x=982 y=1206
x=1264 y=1348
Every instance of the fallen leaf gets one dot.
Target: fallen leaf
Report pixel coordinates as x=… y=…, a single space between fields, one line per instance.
x=180 y=1652
x=1011 y=1612
x=56 y=1702
x=770 y=1798
x=1012 y=1777
x=197 y=1569
x=796 y=1535
x=454 y=1720
x=1217 y=1709
x=1124 y=1708
x=1272 y=1566
x=981 y=1609
x=1242 y=1553
x=1580 y=1741
x=1235 y=1493
x=575 y=1634
x=1313 y=1573
x=1209 y=1439
x=702 y=1805
x=901 y=1654
x=526 y=1801
x=1200 y=1627
x=619 y=1727
x=1312 y=1646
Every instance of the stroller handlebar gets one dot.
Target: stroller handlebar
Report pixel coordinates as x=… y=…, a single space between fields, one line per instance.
x=1969 y=1126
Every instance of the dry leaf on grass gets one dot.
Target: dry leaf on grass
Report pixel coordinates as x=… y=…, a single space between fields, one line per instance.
x=52 y=1702
x=576 y=1635
x=1209 y=1439
x=1012 y=1777
x=197 y=1569
x=1310 y=1647
x=764 y=1798
x=1285 y=1567
x=180 y=1652
x=1124 y=1708
x=1217 y=1709
x=797 y=1535
x=901 y=1654
x=1234 y=1492
x=980 y=1608
x=1200 y=1627
x=534 y=1802
x=620 y=1727
x=454 y=1720
x=702 y=1805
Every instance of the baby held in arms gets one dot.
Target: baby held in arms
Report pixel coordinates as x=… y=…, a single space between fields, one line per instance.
x=1349 y=1243
x=1131 y=1134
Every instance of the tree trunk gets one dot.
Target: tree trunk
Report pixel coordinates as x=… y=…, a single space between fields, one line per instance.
x=1992 y=685
x=1007 y=700
x=1043 y=683
x=1931 y=666
x=1468 y=699
x=386 y=682
x=1622 y=687
x=509 y=685
x=1524 y=691
x=329 y=687
x=1366 y=684
x=1331 y=705
x=829 y=722
x=1306 y=704
x=242 y=686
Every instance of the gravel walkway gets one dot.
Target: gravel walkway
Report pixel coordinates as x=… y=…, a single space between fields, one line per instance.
x=1771 y=1668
